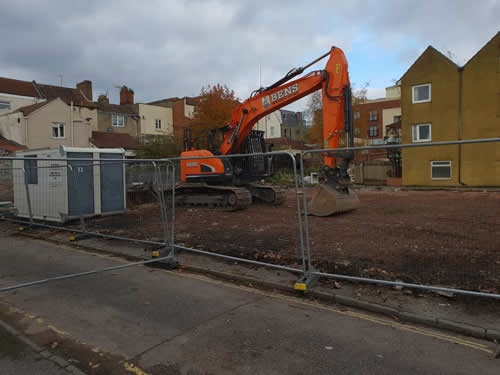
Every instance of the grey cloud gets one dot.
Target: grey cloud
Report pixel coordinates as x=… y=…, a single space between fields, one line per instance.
x=172 y=48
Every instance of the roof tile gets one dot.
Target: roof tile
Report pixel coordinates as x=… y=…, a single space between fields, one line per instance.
x=114 y=140
x=10 y=146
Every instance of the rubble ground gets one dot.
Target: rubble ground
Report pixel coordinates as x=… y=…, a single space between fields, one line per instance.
x=446 y=238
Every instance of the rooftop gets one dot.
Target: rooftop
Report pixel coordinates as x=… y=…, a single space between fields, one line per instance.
x=10 y=146
x=114 y=140
x=41 y=91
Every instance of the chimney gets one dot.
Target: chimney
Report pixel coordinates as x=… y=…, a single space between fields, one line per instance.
x=86 y=88
x=126 y=95
x=103 y=99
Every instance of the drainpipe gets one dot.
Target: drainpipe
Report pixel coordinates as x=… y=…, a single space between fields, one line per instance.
x=26 y=131
x=72 y=125
x=460 y=70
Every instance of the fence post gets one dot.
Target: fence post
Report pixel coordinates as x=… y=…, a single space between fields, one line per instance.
x=305 y=281
x=172 y=225
x=28 y=198
x=167 y=249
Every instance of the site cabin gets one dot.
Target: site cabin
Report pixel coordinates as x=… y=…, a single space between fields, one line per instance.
x=95 y=187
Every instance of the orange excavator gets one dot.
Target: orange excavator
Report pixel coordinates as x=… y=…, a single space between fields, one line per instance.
x=233 y=183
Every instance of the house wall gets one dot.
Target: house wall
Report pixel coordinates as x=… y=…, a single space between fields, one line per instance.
x=481 y=116
x=12 y=126
x=149 y=113
x=37 y=126
x=388 y=117
x=442 y=112
x=464 y=105
x=189 y=110
x=17 y=101
x=104 y=123
x=393 y=92
x=270 y=125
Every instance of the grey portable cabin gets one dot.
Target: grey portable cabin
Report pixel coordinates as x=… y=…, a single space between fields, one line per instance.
x=60 y=190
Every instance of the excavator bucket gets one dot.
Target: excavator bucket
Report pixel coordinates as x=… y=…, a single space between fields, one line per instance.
x=326 y=201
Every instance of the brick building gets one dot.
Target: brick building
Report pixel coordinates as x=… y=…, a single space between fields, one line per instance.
x=372 y=116
x=183 y=111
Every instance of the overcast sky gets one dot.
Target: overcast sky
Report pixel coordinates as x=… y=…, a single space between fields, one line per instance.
x=172 y=48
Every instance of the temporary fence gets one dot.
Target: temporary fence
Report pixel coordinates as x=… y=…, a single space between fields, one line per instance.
x=430 y=237
x=383 y=242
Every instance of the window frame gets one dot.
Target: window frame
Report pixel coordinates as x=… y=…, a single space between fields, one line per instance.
x=157 y=121
x=421 y=101
x=7 y=104
x=58 y=126
x=370 y=127
x=421 y=140
x=116 y=124
x=450 y=164
x=370 y=115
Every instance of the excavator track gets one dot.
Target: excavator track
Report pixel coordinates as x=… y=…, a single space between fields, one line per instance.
x=270 y=194
x=226 y=198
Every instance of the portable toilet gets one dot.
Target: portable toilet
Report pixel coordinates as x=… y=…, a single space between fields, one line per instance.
x=61 y=190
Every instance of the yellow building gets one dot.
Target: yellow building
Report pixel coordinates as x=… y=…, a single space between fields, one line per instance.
x=441 y=101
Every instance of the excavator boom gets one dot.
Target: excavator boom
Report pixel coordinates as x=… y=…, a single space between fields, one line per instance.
x=335 y=194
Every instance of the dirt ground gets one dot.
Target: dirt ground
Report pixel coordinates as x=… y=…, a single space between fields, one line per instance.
x=443 y=238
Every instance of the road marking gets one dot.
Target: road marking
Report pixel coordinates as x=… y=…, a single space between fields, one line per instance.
x=130 y=367
x=373 y=319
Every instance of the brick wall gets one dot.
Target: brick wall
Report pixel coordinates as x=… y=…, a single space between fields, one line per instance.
x=364 y=122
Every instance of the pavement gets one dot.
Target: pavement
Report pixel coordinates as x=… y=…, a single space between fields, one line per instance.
x=18 y=358
x=143 y=320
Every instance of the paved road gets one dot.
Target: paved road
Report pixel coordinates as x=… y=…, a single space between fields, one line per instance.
x=173 y=323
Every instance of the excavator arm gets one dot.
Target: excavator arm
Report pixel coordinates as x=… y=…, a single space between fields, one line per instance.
x=335 y=86
x=334 y=195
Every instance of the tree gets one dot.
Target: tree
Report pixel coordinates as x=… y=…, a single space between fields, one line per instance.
x=314 y=134
x=360 y=95
x=214 y=110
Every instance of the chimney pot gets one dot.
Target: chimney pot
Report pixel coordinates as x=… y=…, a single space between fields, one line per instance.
x=126 y=95
x=86 y=88
x=103 y=99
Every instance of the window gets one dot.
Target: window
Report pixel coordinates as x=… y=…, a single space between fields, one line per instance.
x=356 y=115
x=441 y=170
x=272 y=130
x=373 y=115
x=4 y=105
x=356 y=131
x=31 y=170
x=372 y=131
x=158 y=124
x=422 y=133
x=57 y=130
x=397 y=118
x=422 y=93
x=118 y=121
